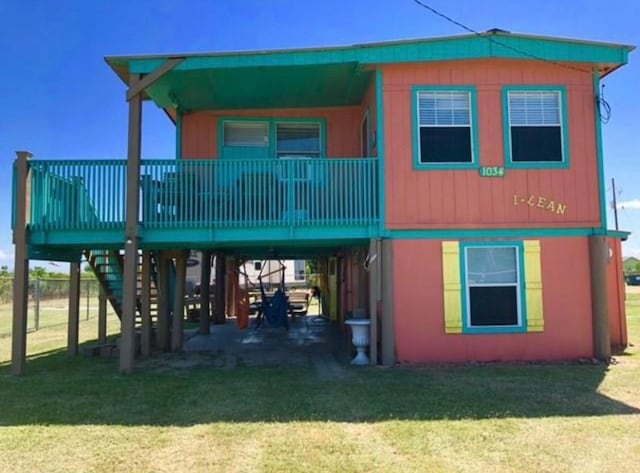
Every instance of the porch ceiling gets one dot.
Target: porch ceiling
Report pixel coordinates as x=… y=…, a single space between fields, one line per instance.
x=262 y=87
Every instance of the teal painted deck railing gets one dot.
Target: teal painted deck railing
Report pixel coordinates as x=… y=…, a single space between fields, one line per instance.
x=175 y=194
x=77 y=195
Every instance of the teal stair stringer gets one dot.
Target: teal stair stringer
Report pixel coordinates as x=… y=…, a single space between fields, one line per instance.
x=107 y=267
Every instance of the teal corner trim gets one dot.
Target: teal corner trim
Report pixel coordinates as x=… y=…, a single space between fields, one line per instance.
x=475 y=140
x=522 y=293
x=178 y=134
x=380 y=143
x=271 y=130
x=599 y=150
x=566 y=151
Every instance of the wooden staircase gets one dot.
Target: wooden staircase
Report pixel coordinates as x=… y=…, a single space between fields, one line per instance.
x=108 y=267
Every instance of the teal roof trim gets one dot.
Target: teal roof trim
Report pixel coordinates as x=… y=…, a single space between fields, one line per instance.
x=505 y=46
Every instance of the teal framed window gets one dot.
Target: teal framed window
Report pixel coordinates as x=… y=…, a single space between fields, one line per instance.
x=269 y=138
x=445 y=128
x=535 y=127
x=493 y=287
x=298 y=140
x=245 y=134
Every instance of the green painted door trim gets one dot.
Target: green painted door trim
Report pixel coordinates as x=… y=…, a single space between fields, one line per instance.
x=475 y=124
x=564 y=118
x=380 y=143
x=600 y=150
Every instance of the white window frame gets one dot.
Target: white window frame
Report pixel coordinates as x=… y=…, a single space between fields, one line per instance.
x=470 y=125
x=560 y=93
x=518 y=284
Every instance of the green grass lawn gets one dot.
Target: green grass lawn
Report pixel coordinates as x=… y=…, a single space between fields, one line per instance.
x=80 y=415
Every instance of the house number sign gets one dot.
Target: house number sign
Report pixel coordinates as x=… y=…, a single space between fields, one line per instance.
x=492 y=171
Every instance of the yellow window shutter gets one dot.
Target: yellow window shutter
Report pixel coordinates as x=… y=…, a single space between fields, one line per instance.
x=452 y=288
x=533 y=286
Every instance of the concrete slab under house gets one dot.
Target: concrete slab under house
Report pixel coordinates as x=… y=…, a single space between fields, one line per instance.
x=448 y=190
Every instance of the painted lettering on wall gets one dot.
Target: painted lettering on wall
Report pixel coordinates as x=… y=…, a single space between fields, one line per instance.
x=540 y=202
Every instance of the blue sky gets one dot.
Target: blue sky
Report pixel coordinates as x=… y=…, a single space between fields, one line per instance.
x=62 y=100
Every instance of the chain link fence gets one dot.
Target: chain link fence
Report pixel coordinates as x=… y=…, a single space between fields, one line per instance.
x=48 y=303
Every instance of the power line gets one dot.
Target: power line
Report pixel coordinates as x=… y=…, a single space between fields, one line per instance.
x=495 y=41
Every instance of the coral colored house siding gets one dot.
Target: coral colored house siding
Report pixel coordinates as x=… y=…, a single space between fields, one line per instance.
x=200 y=129
x=419 y=308
x=461 y=198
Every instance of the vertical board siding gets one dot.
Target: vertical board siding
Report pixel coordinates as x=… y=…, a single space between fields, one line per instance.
x=616 y=296
x=200 y=129
x=461 y=198
x=419 y=312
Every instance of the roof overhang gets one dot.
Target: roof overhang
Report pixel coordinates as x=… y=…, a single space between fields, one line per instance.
x=338 y=75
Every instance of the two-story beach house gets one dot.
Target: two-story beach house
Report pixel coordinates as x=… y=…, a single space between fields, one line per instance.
x=452 y=187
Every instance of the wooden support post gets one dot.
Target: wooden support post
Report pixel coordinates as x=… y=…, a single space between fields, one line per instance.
x=102 y=316
x=145 y=305
x=74 y=309
x=375 y=296
x=178 y=305
x=388 y=335
x=599 y=256
x=231 y=277
x=131 y=246
x=220 y=305
x=205 y=298
x=21 y=263
x=323 y=268
x=362 y=285
x=164 y=311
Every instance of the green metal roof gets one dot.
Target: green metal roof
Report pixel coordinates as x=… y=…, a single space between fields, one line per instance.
x=337 y=75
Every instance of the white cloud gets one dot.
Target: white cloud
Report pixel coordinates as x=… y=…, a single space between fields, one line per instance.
x=4 y=256
x=630 y=204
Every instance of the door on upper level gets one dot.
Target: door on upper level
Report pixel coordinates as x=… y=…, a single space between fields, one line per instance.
x=271 y=162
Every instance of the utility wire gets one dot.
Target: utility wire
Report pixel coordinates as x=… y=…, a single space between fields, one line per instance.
x=604 y=107
x=495 y=41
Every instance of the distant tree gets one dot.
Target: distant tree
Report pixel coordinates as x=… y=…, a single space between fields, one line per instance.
x=6 y=284
x=87 y=272
x=38 y=272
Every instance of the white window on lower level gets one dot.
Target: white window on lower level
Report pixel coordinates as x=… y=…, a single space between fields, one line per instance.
x=493 y=286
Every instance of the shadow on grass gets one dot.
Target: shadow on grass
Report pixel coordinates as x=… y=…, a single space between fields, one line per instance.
x=79 y=391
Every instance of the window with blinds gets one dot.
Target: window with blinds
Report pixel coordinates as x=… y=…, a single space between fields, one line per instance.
x=298 y=140
x=246 y=134
x=444 y=126
x=535 y=126
x=493 y=286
